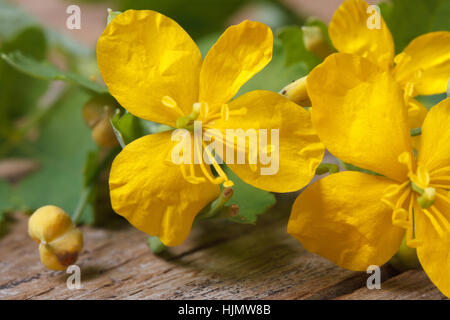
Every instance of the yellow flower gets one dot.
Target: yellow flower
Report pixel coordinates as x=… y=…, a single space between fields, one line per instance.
x=155 y=70
x=60 y=242
x=357 y=219
x=423 y=68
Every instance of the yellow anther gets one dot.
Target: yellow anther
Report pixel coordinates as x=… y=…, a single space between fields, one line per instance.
x=169 y=102
x=413 y=243
x=405 y=158
x=240 y=112
x=402 y=58
x=228 y=184
x=253 y=167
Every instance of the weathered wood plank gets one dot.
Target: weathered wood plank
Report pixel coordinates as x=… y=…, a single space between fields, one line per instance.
x=413 y=284
x=219 y=260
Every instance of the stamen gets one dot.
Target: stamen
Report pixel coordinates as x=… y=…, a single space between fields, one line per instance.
x=441 y=217
x=226 y=182
x=390 y=192
x=434 y=222
x=409 y=91
x=170 y=103
x=310 y=148
x=214 y=180
x=443 y=197
x=411 y=240
x=225 y=112
x=240 y=112
x=405 y=158
x=444 y=170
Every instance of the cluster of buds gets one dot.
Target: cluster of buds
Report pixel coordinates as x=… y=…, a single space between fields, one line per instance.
x=60 y=241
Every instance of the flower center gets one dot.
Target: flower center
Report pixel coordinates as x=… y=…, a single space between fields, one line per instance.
x=199 y=111
x=419 y=188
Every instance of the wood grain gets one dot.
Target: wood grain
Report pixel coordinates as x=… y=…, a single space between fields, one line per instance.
x=220 y=260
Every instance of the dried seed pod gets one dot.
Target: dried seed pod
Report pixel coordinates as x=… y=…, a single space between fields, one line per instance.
x=60 y=241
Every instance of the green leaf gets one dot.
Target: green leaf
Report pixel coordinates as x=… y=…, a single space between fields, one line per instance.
x=44 y=70
x=408 y=19
x=20 y=93
x=61 y=149
x=90 y=167
x=294 y=48
x=252 y=202
x=126 y=127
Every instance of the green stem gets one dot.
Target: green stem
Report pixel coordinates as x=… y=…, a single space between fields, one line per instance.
x=82 y=203
x=215 y=207
x=88 y=190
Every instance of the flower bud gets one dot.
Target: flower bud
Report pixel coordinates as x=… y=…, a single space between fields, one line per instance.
x=296 y=92
x=60 y=241
x=103 y=133
x=315 y=41
x=97 y=113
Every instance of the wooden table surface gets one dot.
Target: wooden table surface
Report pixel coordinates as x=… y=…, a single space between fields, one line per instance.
x=220 y=260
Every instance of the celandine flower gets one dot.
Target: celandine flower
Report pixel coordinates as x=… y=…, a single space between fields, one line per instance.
x=357 y=219
x=155 y=70
x=423 y=68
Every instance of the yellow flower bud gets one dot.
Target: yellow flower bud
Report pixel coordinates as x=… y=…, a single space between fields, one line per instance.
x=315 y=42
x=60 y=241
x=296 y=92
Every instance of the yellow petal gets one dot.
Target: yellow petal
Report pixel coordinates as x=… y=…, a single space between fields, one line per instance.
x=151 y=193
x=434 y=152
x=241 y=52
x=425 y=62
x=341 y=218
x=416 y=113
x=299 y=148
x=350 y=33
x=145 y=56
x=359 y=113
x=434 y=252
